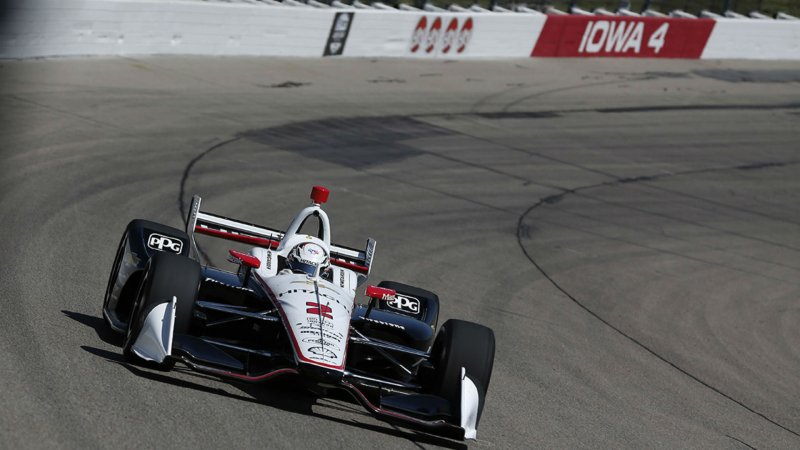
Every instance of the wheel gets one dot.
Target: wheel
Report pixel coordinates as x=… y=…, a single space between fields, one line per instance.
x=113 y=278
x=141 y=240
x=166 y=276
x=410 y=298
x=462 y=344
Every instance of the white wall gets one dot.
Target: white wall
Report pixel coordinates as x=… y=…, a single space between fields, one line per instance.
x=130 y=27
x=754 y=39
x=134 y=27
x=125 y=27
x=380 y=33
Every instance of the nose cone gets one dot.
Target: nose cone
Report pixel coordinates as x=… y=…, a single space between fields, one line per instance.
x=320 y=374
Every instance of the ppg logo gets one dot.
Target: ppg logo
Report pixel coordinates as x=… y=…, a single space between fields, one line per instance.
x=164 y=243
x=405 y=304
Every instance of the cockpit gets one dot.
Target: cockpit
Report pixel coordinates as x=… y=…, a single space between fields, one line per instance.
x=309 y=258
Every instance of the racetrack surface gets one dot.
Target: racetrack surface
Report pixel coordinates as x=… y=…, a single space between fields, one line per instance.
x=629 y=229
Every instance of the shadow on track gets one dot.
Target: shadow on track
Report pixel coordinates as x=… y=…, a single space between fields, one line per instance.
x=105 y=334
x=287 y=394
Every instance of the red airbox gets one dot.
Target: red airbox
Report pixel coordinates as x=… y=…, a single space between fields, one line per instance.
x=319 y=194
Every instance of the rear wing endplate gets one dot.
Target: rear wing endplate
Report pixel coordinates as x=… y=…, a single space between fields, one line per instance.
x=221 y=227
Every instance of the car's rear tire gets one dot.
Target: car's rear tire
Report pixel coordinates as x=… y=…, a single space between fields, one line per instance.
x=429 y=300
x=166 y=276
x=462 y=344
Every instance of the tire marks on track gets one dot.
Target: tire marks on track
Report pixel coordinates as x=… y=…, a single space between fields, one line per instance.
x=521 y=231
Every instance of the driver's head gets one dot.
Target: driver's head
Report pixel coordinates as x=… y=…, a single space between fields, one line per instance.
x=306 y=258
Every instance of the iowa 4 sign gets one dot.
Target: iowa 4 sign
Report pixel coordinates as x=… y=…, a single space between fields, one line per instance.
x=642 y=37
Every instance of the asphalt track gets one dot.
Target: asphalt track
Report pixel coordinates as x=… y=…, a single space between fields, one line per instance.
x=629 y=229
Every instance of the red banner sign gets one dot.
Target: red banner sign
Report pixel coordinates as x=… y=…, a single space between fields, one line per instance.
x=637 y=37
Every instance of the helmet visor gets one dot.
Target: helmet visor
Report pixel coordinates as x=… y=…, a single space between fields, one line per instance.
x=301 y=267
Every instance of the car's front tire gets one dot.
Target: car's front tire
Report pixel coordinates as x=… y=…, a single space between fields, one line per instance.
x=132 y=255
x=113 y=280
x=462 y=344
x=167 y=276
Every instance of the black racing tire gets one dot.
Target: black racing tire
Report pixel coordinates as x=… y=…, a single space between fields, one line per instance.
x=166 y=276
x=114 y=276
x=431 y=300
x=134 y=250
x=462 y=344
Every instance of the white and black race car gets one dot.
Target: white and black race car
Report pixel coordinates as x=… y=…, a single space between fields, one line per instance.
x=290 y=310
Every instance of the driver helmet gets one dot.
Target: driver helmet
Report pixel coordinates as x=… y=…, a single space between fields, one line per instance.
x=306 y=258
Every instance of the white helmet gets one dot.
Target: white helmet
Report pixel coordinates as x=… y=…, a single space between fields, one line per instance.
x=307 y=258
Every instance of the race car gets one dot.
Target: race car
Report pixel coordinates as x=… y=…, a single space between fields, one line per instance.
x=289 y=309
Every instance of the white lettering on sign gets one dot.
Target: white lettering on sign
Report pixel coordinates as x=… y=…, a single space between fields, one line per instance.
x=656 y=41
x=620 y=37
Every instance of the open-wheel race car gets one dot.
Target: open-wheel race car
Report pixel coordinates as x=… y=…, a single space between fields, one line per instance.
x=290 y=309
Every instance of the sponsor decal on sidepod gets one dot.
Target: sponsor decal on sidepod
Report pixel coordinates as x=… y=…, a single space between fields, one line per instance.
x=164 y=243
x=405 y=304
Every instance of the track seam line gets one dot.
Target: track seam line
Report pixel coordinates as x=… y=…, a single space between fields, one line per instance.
x=619 y=331
x=185 y=177
x=188 y=168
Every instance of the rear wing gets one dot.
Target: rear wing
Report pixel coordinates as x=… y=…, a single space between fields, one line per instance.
x=214 y=225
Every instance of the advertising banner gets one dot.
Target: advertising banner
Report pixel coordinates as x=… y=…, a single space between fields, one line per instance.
x=637 y=37
x=338 y=35
x=443 y=35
